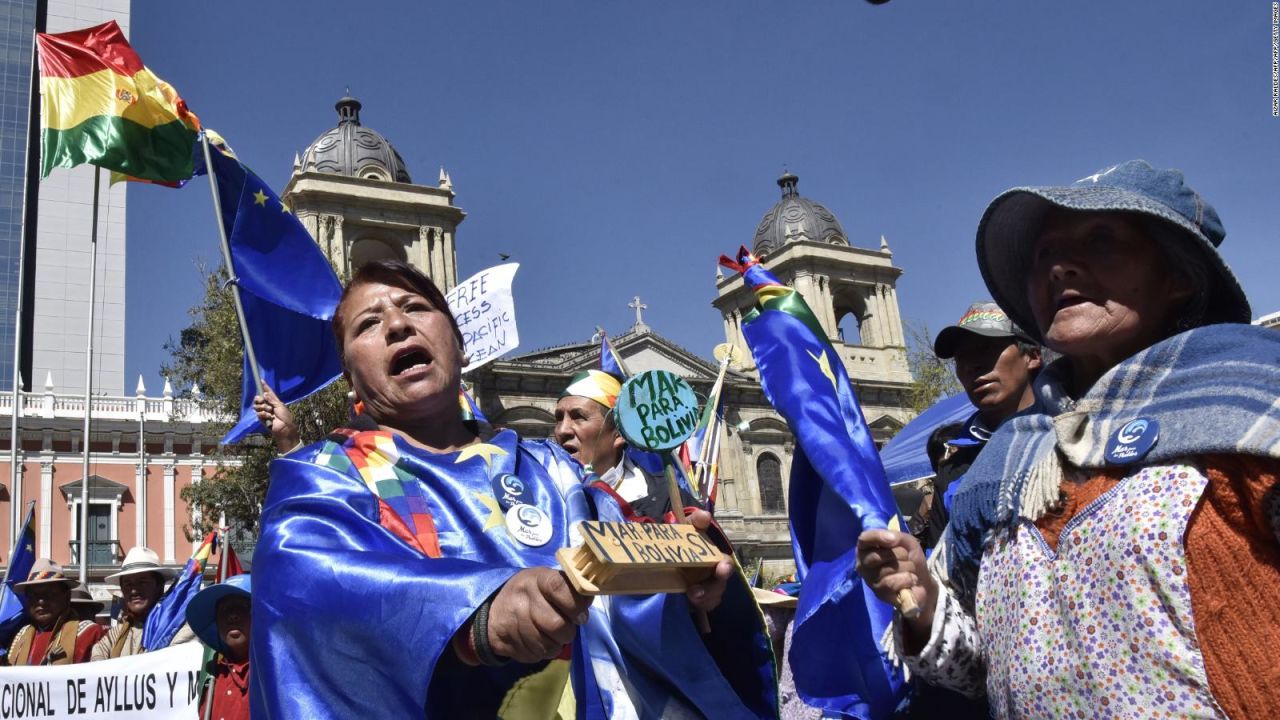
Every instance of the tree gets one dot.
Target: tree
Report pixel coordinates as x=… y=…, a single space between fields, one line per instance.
x=934 y=378
x=210 y=352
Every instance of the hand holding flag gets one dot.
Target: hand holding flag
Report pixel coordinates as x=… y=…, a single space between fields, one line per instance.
x=838 y=489
x=286 y=287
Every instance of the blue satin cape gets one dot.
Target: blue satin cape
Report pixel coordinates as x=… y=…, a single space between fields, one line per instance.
x=351 y=621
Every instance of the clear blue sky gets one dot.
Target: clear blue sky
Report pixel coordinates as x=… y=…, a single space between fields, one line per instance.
x=616 y=149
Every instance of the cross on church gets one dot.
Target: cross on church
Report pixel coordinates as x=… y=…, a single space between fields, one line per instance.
x=638 y=306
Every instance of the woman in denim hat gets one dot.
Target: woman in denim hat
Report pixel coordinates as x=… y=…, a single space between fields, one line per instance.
x=1114 y=549
x=219 y=615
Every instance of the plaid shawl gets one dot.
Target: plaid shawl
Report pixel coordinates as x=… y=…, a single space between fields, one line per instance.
x=1214 y=390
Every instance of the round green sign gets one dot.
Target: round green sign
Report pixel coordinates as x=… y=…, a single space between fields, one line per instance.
x=656 y=410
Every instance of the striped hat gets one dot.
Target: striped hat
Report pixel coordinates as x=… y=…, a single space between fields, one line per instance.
x=595 y=385
x=44 y=571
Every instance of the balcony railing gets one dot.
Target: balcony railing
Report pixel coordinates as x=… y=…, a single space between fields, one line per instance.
x=49 y=404
x=102 y=553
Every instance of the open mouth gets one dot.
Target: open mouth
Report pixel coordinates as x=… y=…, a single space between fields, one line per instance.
x=1070 y=299
x=408 y=360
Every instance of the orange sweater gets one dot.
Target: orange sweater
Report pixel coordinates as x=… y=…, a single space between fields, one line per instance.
x=1233 y=566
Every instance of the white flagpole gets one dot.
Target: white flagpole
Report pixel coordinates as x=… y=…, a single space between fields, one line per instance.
x=231 y=271
x=88 y=386
x=15 y=442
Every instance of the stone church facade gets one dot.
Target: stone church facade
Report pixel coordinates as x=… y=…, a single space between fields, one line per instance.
x=352 y=191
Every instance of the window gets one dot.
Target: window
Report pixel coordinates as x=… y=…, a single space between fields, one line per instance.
x=850 y=329
x=105 y=497
x=366 y=248
x=850 y=311
x=769 y=476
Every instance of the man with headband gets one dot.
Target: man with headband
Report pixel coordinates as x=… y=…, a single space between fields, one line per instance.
x=585 y=429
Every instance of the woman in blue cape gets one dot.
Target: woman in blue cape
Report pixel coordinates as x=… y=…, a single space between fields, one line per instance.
x=407 y=567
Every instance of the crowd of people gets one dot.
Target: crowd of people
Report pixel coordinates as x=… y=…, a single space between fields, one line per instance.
x=1080 y=553
x=67 y=626
x=1102 y=538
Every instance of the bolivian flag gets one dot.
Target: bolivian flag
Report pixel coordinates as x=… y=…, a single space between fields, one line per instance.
x=102 y=106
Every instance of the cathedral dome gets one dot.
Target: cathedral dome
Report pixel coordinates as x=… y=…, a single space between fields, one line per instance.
x=795 y=218
x=354 y=150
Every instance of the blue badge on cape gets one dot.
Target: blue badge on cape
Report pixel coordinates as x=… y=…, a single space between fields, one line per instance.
x=510 y=491
x=1132 y=442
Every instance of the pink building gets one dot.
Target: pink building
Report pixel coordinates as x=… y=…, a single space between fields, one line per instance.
x=134 y=487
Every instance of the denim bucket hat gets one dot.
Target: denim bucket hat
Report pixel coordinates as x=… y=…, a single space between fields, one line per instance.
x=202 y=610
x=1012 y=223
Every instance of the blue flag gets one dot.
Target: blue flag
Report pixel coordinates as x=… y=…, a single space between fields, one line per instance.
x=389 y=549
x=167 y=617
x=609 y=361
x=838 y=489
x=12 y=613
x=287 y=287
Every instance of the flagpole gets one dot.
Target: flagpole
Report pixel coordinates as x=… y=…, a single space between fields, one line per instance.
x=88 y=386
x=231 y=271
x=222 y=577
x=704 y=452
x=15 y=475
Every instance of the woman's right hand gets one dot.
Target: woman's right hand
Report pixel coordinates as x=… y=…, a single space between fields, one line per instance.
x=534 y=615
x=892 y=561
x=276 y=417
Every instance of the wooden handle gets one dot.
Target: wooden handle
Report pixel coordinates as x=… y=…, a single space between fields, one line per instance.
x=907 y=604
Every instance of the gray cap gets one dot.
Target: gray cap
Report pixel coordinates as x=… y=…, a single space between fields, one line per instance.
x=983 y=318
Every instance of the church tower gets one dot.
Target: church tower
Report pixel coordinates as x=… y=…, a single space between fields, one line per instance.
x=352 y=192
x=851 y=290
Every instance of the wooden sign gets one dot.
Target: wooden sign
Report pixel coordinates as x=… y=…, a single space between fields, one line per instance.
x=656 y=410
x=622 y=558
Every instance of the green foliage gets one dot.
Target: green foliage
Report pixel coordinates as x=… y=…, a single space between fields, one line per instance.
x=209 y=353
x=934 y=378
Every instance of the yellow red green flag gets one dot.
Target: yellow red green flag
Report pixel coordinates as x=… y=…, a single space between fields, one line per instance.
x=100 y=105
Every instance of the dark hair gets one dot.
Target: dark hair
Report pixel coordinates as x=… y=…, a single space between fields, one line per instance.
x=395 y=273
x=936 y=446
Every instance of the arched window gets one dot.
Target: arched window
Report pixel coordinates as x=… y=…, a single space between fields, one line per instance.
x=769 y=475
x=850 y=329
x=850 y=310
x=365 y=249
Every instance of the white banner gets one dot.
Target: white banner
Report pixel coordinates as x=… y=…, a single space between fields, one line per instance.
x=486 y=314
x=158 y=685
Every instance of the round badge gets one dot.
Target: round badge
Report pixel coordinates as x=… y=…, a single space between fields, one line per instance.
x=1132 y=442
x=529 y=524
x=510 y=491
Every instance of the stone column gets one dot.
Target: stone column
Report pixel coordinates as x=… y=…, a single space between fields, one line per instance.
x=46 y=508
x=873 y=328
x=170 y=497
x=334 y=243
x=891 y=299
x=451 y=259
x=421 y=255
x=197 y=474
x=804 y=284
x=827 y=312
x=140 y=506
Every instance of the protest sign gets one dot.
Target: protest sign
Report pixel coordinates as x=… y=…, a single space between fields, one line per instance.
x=624 y=558
x=656 y=410
x=159 y=685
x=486 y=314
